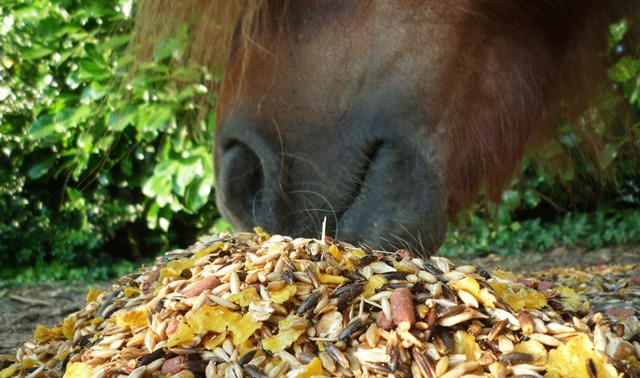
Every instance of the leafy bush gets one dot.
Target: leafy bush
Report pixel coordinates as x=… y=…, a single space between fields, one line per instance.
x=90 y=169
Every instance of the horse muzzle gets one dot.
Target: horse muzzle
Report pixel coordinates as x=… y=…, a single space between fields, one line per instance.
x=378 y=190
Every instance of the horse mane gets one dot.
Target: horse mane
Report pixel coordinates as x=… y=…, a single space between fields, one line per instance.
x=531 y=64
x=540 y=63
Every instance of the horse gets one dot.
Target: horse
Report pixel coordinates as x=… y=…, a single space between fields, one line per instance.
x=380 y=120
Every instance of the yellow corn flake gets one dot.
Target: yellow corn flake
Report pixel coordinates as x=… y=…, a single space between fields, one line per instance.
x=314 y=369
x=467 y=284
x=472 y=286
x=43 y=333
x=131 y=291
x=464 y=343
x=503 y=274
x=347 y=263
x=77 y=370
x=208 y=250
x=571 y=300
x=335 y=252
x=285 y=337
x=571 y=359
x=182 y=334
x=283 y=294
x=525 y=297
x=486 y=298
x=533 y=298
x=68 y=327
x=244 y=328
x=175 y=268
x=212 y=319
x=93 y=295
x=261 y=234
x=245 y=297
x=29 y=363
x=215 y=342
x=375 y=282
x=534 y=348
x=358 y=253
x=331 y=279
x=133 y=318
x=8 y=372
x=402 y=268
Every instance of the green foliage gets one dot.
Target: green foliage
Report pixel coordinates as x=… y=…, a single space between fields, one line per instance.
x=590 y=230
x=90 y=169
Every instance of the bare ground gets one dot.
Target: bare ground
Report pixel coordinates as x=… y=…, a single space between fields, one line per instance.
x=23 y=308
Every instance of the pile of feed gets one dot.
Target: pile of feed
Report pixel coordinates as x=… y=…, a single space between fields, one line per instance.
x=257 y=305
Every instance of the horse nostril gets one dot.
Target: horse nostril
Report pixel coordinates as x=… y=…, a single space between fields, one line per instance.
x=240 y=182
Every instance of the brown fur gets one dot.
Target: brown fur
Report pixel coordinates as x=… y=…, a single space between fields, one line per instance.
x=534 y=63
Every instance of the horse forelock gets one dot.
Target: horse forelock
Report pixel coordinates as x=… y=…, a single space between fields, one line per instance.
x=214 y=28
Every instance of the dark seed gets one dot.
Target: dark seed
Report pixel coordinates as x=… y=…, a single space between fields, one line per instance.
x=449 y=294
x=149 y=358
x=352 y=327
x=348 y=293
x=247 y=357
x=451 y=311
x=309 y=302
x=196 y=367
x=430 y=268
x=287 y=275
x=336 y=355
x=382 y=368
x=313 y=277
x=353 y=276
x=497 y=329
x=253 y=371
x=395 y=275
x=423 y=363
x=515 y=358
x=592 y=369
x=366 y=260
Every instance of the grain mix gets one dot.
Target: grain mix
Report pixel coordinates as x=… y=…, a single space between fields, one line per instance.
x=256 y=305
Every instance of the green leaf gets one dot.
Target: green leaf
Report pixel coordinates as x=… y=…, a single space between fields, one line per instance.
x=511 y=199
x=197 y=194
x=35 y=51
x=166 y=168
x=159 y=188
x=43 y=127
x=624 y=70
x=188 y=170
x=41 y=166
x=618 y=30
x=119 y=120
x=91 y=71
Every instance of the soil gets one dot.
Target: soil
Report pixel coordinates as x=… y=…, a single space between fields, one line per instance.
x=23 y=308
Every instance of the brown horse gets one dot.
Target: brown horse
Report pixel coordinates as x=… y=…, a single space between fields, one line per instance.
x=385 y=117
